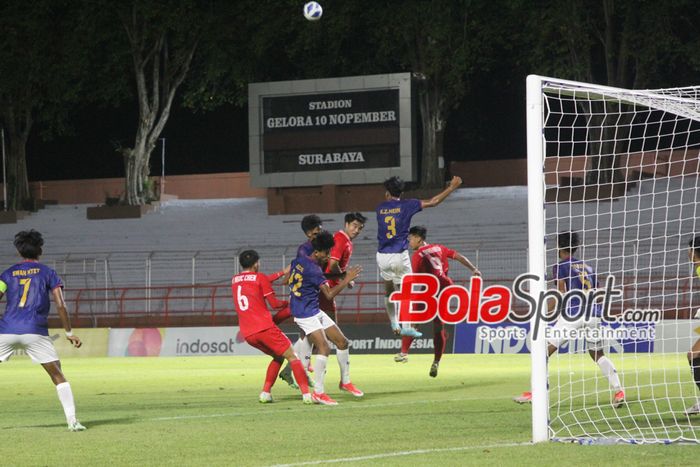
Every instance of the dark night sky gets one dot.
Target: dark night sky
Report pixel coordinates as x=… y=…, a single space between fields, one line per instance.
x=488 y=124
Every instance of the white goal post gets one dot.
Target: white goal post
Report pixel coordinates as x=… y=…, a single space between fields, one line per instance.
x=620 y=168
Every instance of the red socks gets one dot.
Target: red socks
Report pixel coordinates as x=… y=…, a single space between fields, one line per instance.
x=439 y=341
x=300 y=376
x=406 y=344
x=273 y=370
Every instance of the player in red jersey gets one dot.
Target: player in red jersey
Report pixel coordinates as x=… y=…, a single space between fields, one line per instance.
x=337 y=265
x=252 y=292
x=340 y=256
x=432 y=259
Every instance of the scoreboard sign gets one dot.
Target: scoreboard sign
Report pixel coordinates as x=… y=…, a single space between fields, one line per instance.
x=331 y=131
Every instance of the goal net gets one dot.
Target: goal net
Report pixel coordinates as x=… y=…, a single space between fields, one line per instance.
x=619 y=168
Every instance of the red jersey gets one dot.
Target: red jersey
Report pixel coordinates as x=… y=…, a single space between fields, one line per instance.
x=250 y=291
x=432 y=259
x=341 y=252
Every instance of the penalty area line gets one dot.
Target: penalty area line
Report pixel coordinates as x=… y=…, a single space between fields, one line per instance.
x=385 y=455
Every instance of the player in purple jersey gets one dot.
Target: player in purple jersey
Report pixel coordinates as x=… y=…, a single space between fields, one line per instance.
x=311 y=226
x=306 y=282
x=24 y=325
x=394 y=219
x=571 y=273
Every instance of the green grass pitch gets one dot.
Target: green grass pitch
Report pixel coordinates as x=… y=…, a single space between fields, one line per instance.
x=204 y=411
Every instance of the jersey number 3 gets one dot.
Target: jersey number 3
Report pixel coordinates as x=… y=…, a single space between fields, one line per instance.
x=390 y=222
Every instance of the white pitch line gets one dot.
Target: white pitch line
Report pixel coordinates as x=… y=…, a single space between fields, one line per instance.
x=402 y=453
x=353 y=406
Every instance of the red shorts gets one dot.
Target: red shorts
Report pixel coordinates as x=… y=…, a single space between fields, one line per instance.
x=271 y=341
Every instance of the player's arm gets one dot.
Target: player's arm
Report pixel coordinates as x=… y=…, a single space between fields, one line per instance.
x=350 y=275
x=65 y=319
x=467 y=264
x=283 y=273
x=440 y=197
x=269 y=294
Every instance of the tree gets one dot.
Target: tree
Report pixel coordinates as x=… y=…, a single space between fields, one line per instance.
x=619 y=43
x=39 y=79
x=443 y=42
x=162 y=38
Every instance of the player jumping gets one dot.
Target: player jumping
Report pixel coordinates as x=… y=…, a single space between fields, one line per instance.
x=432 y=259
x=394 y=219
x=250 y=291
x=306 y=282
x=571 y=273
x=28 y=287
x=694 y=354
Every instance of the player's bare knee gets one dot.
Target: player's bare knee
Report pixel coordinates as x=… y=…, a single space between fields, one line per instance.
x=596 y=354
x=324 y=348
x=341 y=343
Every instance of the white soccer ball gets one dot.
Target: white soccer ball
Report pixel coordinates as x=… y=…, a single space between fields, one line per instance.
x=313 y=11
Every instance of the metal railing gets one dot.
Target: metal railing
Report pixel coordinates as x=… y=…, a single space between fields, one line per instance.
x=212 y=303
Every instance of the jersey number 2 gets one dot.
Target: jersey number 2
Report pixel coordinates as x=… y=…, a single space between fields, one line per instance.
x=295 y=283
x=25 y=291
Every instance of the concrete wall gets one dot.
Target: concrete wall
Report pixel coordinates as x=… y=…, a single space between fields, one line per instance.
x=507 y=172
x=94 y=191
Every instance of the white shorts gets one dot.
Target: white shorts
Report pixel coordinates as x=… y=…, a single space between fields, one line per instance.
x=580 y=324
x=393 y=266
x=318 y=321
x=39 y=348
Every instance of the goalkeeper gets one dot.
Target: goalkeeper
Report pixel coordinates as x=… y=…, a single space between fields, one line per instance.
x=571 y=273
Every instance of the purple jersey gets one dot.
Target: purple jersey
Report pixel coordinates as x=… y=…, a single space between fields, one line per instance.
x=394 y=219
x=27 y=287
x=305 y=280
x=576 y=275
x=305 y=249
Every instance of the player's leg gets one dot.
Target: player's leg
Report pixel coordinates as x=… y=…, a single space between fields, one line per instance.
x=64 y=392
x=439 y=342
x=313 y=328
x=335 y=335
x=385 y=271
x=41 y=350
x=273 y=370
x=607 y=367
x=303 y=349
x=694 y=361
x=299 y=374
x=402 y=357
x=259 y=342
x=401 y=263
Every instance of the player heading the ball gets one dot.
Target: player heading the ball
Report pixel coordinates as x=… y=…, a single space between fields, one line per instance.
x=394 y=219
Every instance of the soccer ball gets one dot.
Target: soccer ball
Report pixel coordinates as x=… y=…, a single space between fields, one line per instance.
x=313 y=11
